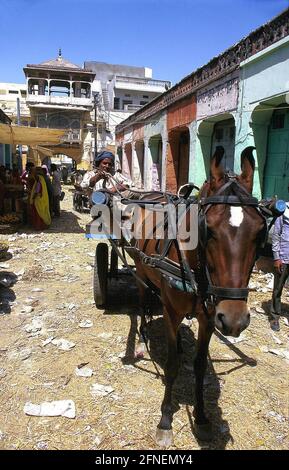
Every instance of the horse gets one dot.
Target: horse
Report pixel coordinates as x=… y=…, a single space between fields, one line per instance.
x=231 y=227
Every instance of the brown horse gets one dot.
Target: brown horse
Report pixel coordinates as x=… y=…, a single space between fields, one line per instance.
x=230 y=229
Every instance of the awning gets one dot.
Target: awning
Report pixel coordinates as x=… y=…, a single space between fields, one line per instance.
x=30 y=135
x=43 y=150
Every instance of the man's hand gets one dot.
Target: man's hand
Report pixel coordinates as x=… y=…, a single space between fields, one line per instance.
x=94 y=179
x=278 y=265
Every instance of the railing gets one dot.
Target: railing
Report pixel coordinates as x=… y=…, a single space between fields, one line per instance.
x=132 y=107
x=60 y=100
x=143 y=81
x=72 y=136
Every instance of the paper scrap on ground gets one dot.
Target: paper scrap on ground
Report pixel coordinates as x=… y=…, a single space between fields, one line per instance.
x=64 y=408
x=101 y=390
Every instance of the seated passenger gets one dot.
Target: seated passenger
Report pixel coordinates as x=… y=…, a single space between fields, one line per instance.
x=104 y=176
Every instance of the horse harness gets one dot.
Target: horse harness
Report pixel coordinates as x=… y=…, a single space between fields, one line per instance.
x=179 y=275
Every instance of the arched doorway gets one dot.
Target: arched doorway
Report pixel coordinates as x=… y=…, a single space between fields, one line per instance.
x=139 y=177
x=178 y=159
x=155 y=146
x=276 y=174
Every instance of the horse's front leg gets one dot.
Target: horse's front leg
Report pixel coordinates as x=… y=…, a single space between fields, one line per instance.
x=143 y=336
x=164 y=434
x=202 y=425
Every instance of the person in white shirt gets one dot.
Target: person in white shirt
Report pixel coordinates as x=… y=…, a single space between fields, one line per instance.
x=104 y=177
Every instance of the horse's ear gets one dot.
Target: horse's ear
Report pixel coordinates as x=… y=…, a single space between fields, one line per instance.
x=247 y=167
x=217 y=171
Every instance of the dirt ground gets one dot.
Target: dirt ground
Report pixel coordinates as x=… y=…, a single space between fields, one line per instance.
x=246 y=384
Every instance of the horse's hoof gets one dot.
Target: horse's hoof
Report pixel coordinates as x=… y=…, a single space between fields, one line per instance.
x=203 y=432
x=164 y=437
x=140 y=351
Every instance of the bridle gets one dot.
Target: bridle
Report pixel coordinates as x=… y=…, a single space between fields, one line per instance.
x=232 y=193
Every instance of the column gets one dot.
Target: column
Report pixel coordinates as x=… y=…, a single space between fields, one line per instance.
x=164 y=161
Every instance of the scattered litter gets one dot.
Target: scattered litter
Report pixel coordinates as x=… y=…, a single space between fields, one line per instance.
x=84 y=372
x=232 y=340
x=20 y=272
x=286 y=321
x=70 y=306
x=64 y=408
x=259 y=310
x=88 y=268
x=278 y=352
x=63 y=344
x=48 y=269
x=116 y=397
x=3 y=373
x=22 y=355
x=129 y=368
x=4 y=265
x=99 y=390
x=85 y=324
x=97 y=441
x=277 y=340
x=26 y=309
x=2 y=435
x=47 y=341
x=34 y=326
x=42 y=445
x=277 y=416
x=104 y=336
x=37 y=289
x=31 y=301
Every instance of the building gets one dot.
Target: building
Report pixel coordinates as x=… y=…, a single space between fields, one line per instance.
x=59 y=96
x=123 y=90
x=239 y=98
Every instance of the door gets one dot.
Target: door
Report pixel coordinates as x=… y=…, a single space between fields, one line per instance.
x=276 y=175
x=183 y=164
x=224 y=135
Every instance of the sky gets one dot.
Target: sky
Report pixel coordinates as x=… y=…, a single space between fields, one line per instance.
x=173 y=37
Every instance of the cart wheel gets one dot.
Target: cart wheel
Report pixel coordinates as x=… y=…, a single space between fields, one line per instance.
x=113 y=263
x=100 y=274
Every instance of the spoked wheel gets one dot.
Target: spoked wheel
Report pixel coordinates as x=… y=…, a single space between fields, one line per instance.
x=100 y=274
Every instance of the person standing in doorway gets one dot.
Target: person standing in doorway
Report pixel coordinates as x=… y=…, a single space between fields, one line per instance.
x=56 y=186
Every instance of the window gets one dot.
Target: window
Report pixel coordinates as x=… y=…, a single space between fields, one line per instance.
x=145 y=96
x=2 y=92
x=127 y=96
x=116 y=104
x=13 y=92
x=23 y=93
x=125 y=103
x=142 y=103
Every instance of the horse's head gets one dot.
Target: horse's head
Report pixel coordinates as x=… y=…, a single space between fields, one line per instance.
x=234 y=227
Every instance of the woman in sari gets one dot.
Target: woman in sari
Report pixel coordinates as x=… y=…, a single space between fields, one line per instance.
x=39 y=202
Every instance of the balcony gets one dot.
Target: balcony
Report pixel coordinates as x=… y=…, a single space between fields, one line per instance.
x=71 y=137
x=62 y=101
x=141 y=84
